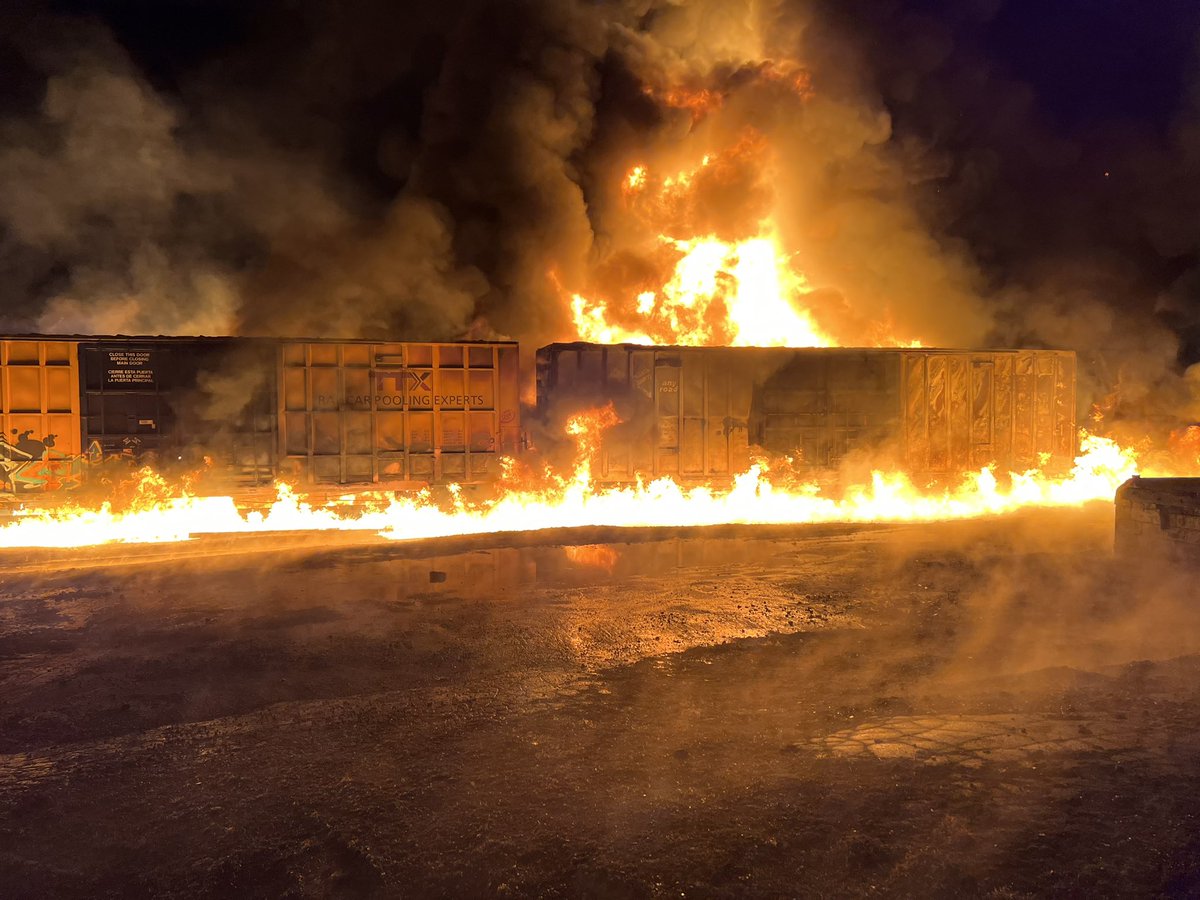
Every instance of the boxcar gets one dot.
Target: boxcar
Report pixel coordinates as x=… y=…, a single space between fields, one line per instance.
x=373 y=412
x=171 y=401
x=319 y=411
x=700 y=413
x=40 y=436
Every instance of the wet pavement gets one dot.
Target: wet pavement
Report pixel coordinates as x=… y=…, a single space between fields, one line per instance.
x=986 y=709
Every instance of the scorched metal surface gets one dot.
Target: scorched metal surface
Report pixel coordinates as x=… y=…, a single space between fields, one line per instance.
x=363 y=412
x=701 y=412
x=320 y=411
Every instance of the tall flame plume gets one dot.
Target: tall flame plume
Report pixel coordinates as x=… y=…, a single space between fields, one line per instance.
x=708 y=285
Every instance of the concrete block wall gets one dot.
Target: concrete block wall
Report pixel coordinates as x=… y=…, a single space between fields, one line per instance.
x=1158 y=517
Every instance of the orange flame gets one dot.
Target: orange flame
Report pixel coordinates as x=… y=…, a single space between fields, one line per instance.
x=712 y=289
x=587 y=428
x=698 y=101
x=575 y=500
x=1184 y=446
x=741 y=294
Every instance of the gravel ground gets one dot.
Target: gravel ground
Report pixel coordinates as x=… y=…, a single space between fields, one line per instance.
x=995 y=708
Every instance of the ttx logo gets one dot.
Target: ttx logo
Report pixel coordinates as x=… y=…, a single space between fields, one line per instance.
x=402 y=380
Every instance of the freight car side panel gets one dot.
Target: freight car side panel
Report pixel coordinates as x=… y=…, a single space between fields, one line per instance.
x=397 y=412
x=39 y=393
x=701 y=412
x=964 y=410
x=1065 y=439
x=176 y=401
x=40 y=441
x=818 y=406
x=683 y=413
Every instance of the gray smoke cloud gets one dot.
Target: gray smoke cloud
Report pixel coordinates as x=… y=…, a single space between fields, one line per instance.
x=90 y=183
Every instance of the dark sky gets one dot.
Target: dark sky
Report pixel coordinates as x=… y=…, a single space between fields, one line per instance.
x=1088 y=61
x=1091 y=61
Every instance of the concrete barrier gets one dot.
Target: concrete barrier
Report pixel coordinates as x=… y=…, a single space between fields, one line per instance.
x=1158 y=517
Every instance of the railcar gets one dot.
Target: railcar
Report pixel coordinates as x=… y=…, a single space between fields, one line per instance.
x=323 y=412
x=700 y=413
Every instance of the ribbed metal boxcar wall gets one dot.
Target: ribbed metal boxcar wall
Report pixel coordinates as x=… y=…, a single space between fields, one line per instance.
x=687 y=408
x=696 y=412
x=360 y=412
x=182 y=397
x=40 y=440
x=819 y=405
x=39 y=392
x=965 y=410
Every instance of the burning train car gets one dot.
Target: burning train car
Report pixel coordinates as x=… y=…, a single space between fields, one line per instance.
x=698 y=413
x=327 y=412
x=1158 y=518
x=320 y=411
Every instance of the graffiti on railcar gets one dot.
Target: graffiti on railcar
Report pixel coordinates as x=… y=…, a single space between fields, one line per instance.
x=31 y=465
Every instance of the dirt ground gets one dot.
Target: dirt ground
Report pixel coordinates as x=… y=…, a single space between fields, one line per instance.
x=994 y=709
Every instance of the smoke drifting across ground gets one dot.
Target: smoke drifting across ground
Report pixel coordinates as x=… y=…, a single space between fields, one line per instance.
x=365 y=169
